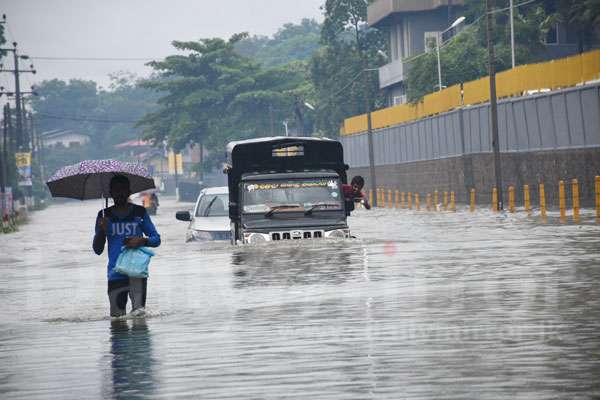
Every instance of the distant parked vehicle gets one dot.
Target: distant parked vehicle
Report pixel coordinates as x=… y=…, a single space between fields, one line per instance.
x=210 y=218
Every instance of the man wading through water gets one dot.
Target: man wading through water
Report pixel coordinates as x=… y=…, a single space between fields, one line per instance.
x=124 y=224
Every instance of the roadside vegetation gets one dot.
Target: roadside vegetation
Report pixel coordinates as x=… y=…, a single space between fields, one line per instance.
x=309 y=75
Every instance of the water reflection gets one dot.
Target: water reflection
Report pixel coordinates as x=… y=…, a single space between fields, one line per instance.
x=132 y=361
x=297 y=264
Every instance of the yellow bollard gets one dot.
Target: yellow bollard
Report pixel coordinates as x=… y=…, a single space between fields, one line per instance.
x=472 y=200
x=445 y=201
x=543 y=209
x=575 y=193
x=403 y=200
x=428 y=201
x=436 y=198
x=495 y=200
x=410 y=200
x=371 y=196
x=452 y=201
x=527 y=198
x=562 y=199
x=390 y=202
x=417 y=202
x=598 y=197
x=511 y=199
x=397 y=199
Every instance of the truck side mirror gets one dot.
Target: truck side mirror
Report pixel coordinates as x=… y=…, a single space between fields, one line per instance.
x=183 y=216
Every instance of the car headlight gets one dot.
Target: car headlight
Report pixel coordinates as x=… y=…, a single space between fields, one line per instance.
x=200 y=235
x=338 y=234
x=255 y=238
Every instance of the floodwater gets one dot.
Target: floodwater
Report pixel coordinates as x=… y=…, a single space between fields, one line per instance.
x=421 y=306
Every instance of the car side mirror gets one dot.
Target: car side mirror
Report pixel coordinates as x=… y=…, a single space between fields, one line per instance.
x=183 y=216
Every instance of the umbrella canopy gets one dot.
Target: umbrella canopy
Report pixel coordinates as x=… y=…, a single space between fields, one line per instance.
x=91 y=179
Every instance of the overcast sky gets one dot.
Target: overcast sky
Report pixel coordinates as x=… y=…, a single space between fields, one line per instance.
x=132 y=29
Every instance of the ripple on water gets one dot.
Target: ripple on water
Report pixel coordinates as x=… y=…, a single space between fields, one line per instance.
x=421 y=305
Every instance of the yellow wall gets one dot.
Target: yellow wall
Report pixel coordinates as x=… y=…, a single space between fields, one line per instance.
x=553 y=75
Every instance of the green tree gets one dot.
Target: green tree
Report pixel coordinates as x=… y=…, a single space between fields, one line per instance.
x=581 y=15
x=464 y=57
x=197 y=90
x=293 y=42
x=107 y=116
x=339 y=72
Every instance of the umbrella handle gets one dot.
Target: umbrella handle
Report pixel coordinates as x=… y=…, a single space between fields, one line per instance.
x=105 y=204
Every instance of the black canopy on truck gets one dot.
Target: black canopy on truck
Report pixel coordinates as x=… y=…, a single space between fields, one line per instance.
x=281 y=155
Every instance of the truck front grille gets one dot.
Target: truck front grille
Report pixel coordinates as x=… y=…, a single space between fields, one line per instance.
x=296 y=235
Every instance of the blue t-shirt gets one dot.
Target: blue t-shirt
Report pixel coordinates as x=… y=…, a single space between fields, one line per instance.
x=136 y=223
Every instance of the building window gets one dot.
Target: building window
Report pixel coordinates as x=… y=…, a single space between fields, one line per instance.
x=431 y=39
x=399 y=100
x=552 y=35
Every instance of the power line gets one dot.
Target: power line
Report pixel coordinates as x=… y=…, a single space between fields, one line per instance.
x=83 y=119
x=43 y=58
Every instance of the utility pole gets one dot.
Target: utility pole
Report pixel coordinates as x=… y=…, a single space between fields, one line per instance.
x=494 y=102
x=21 y=142
x=370 y=133
x=3 y=155
x=512 y=33
x=18 y=109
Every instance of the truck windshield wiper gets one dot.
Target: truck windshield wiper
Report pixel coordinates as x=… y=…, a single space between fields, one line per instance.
x=318 y=205
x=279 y=207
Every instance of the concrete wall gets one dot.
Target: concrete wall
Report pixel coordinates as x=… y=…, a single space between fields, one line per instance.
x=543 y=138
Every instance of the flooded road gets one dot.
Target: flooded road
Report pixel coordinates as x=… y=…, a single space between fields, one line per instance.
x=421 y=306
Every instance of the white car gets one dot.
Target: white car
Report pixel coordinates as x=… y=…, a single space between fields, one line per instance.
x=210 y=217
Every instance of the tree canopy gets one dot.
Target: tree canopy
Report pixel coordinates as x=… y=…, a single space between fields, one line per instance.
x=107 y=116
x=343 y=71
x=291 y=43
x=214 y=94
x=464 y=57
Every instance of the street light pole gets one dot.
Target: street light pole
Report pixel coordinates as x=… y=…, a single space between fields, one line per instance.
x=439 y=62
x=440 y=38
x=494 y=102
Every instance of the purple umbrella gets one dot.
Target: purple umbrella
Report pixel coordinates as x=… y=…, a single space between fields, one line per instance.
x=91 y=179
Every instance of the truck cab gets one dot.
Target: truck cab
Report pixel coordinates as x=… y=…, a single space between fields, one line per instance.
x=286 y=188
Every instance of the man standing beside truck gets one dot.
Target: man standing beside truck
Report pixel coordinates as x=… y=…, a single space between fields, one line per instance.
x=353 y=193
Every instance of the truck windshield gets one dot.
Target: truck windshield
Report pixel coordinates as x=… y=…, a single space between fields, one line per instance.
x=292 y=195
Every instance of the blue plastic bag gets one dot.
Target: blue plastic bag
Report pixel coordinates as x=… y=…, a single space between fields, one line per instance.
x=134 y=262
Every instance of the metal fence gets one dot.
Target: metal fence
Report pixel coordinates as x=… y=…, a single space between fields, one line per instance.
x=565 y=119
x=551 y=75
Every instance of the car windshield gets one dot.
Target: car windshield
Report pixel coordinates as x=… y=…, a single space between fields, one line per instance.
x=292 y=195
x=213 y=205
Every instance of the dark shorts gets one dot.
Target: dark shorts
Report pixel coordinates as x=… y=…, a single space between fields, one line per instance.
x=119 y=291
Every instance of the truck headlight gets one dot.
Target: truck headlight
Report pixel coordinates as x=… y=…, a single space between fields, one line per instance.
x=255 y=238
x=338 y=234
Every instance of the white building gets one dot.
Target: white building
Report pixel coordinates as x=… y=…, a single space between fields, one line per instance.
x=64 y=138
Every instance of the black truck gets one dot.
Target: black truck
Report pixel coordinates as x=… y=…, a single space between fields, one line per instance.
x=286 y=188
